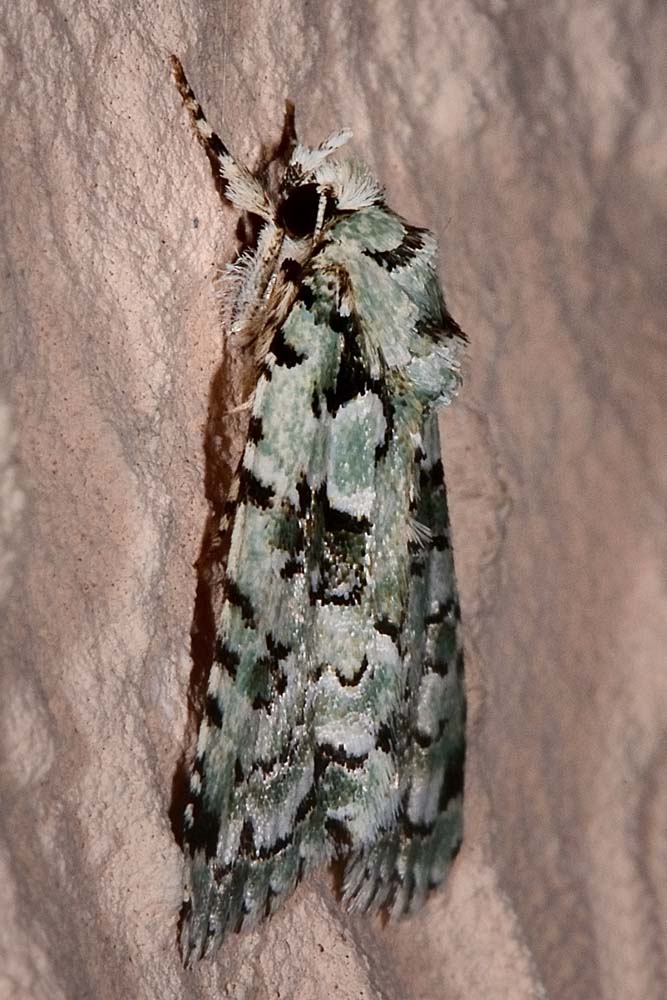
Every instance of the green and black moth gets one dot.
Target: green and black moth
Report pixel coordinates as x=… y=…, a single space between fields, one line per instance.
x=334 y=715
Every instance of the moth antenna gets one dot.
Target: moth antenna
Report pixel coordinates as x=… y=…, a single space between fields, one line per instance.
x=233 y=182
x=306 y=159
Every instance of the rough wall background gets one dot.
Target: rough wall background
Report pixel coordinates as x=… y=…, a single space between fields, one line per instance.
x=533 y=139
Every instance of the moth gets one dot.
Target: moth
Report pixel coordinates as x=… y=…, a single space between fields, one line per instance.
x=334 y=718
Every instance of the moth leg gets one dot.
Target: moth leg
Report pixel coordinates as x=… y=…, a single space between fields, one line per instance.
x=233 y=182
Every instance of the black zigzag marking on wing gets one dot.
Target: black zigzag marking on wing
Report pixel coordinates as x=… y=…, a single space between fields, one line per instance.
x=336 y=520
x=385 y=739
x=440 y=325
x=203 y=833
x=285 y=355
x=268 y=677
x=226 y=657
x=255 y=429
x=268 y=765
x=252 y=491
x=451 y=328
x=308 y=803
x=386 y=627
x=388 y=411
x=239 y=600
x=292 y=567
x=354 y=378
x=213 y=711
x=403 y=254
x=443 y=325
x=356 y=677
x=339 y=832
x=327 y=753
x=248 y=849
x=337 y=553
x=305 y=495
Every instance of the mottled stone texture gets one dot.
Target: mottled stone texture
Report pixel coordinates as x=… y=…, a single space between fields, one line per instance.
x=532 y=139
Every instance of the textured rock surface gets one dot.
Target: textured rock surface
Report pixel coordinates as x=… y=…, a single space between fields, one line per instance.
x=532 y=139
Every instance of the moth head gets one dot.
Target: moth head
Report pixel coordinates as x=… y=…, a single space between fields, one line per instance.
x=315 y=188
x=299 y=208
x=312 y=188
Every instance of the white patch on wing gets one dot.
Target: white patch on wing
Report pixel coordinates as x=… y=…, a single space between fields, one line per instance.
x=341 y=631
x=353 y=734
x=356 y=431
x=269 y=472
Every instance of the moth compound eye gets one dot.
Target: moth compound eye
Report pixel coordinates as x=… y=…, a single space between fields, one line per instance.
x=298 y=212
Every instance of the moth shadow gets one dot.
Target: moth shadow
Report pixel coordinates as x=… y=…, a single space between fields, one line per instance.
x=220 y=432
